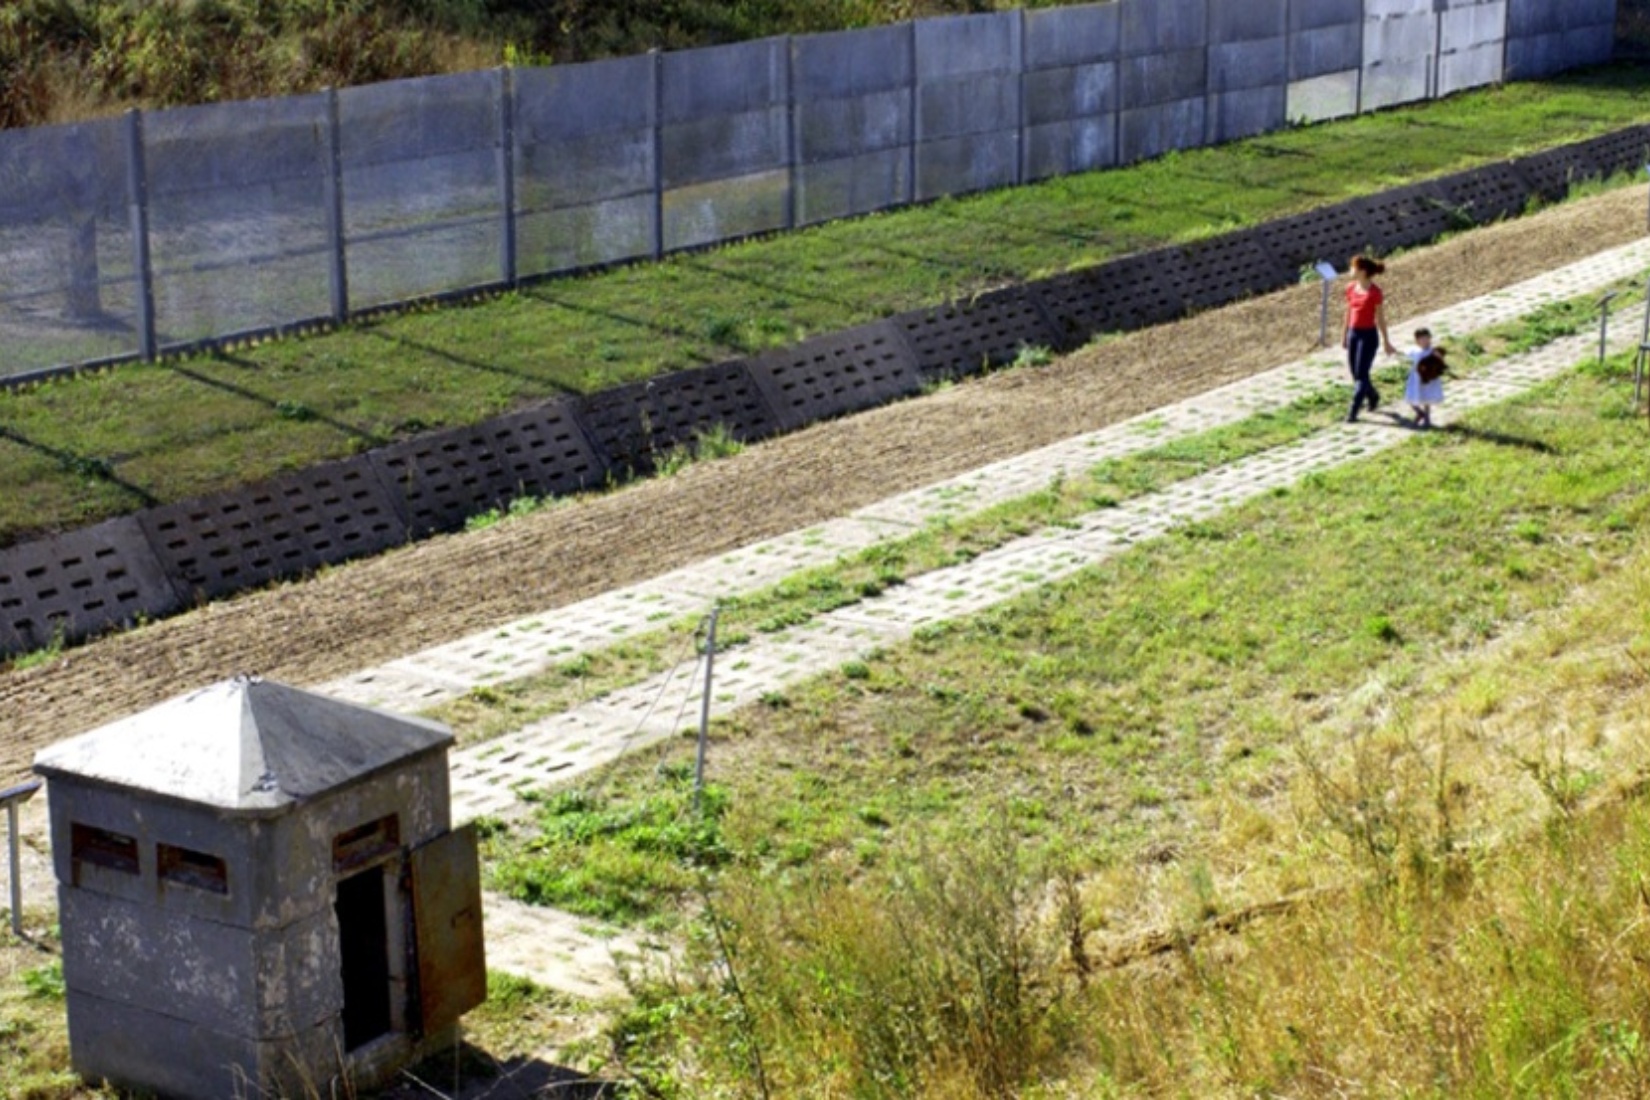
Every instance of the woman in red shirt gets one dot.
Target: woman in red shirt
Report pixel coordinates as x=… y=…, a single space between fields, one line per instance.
x=1365 y=331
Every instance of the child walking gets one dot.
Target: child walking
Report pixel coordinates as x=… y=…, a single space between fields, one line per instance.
x=1425 y=385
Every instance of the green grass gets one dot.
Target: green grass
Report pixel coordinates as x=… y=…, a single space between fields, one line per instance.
x=76 y=450
x=1099 y=710
x=1314 y=692
x=487 y=712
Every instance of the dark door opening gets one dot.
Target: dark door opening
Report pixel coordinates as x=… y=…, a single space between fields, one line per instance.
x=363 y=944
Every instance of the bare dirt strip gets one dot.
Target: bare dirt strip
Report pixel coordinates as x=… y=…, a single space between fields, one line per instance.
x=372 y=611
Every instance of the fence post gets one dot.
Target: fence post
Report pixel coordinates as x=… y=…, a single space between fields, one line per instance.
x=1506 y=38
x=11 y=798
x=137 y=193
x=507 y=174
x=792 y=167
x=1021 y=171
x=658 y=113
x=1437 y=74
x=332 y=191
x=912 y=160
x=1363 y=45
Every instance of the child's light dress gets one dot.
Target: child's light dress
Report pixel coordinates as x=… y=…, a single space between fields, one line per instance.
x=1417 y=392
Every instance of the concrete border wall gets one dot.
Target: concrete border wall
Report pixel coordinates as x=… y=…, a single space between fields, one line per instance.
x=169 y=558
x=174 y=230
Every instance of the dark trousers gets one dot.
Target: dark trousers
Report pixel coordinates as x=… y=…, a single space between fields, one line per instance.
x=1360 y=357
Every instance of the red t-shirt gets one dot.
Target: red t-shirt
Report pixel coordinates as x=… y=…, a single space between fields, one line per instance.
x=1361 y=305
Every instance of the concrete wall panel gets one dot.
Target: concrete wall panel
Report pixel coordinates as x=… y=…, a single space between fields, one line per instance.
x=1060 y=148
x=838 y=128
x=957 y=166
x=1163 y=78
x=980 y=104
x=1083 y=92
x=850 y=64
x=852 y=185
x=1240 y=66
x=1474 y=68
x=1306 y=15
x=1251 y=19
x=1152 y=131
x=1234 y=115
x=1333 y=95
x=1324 y=50
x=965 y=45
x=1061 y=37
x=1158 y=26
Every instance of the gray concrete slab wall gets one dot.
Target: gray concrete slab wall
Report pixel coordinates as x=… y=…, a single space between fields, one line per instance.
x=1333 y=95
x=1470 y=40
x=1058 y=38
x=239 y=981
x=855 y=120
x=119 y=1043
x=1071 y=89
x=1545 y=38
x=1400 y=46
x=968 y=104
x=150 y=822
x=1163 y=26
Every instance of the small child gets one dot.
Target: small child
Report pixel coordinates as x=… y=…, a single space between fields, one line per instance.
x=1421 y=393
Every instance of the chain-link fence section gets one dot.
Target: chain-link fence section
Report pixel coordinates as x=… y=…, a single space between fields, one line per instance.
x=165 y=230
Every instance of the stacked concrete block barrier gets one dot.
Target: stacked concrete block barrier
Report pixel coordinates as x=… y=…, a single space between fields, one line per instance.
x=154 y=563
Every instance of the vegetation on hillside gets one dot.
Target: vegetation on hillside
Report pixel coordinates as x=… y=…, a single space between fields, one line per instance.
x=65 y=60
x=1199 y=822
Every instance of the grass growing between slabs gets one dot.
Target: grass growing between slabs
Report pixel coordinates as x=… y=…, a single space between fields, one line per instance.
x=1367 y=684
x=486 y=712
x=78 y=450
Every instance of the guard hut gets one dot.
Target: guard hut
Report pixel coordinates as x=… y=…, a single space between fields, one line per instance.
x=260 y=894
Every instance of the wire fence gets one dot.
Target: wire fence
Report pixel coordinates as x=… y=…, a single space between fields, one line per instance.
x=130 y=237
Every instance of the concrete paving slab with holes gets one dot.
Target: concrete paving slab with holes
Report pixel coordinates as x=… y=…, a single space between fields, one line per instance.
x=538 y=643
x=747 y=673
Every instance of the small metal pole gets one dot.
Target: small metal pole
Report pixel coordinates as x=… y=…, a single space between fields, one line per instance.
x=1328 y=274
x=704 y=710
x=1647 y=216
x=11 y=799
x=1604 y=323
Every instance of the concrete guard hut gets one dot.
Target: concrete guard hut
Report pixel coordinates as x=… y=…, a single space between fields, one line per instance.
x=260 y=894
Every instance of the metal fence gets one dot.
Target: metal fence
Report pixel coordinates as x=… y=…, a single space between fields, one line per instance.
x=129 y=237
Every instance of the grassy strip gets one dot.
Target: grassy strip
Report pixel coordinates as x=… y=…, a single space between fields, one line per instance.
x=77 y=450
x=490 y=711
x=1304 y=691
x=1139 y=682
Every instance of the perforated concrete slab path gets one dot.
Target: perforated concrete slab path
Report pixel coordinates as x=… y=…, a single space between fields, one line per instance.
x=487 y=779
x=567 y=953
x=534 y=644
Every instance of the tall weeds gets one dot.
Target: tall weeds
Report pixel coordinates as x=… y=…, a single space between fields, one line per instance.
x=942 y=978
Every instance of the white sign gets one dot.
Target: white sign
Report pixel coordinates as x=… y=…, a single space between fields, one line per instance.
x=1328 y=271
